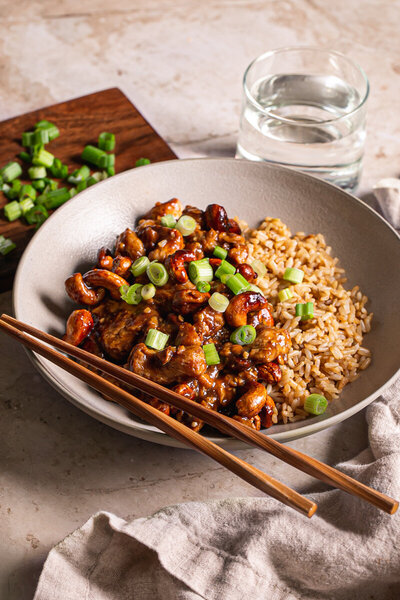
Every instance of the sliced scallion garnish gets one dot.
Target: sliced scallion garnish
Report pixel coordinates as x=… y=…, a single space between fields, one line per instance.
x=237 y=284
x=305 y=311
x=186 y=225
x=42 y=157
x=225 y=268
x=12 y=210
x=285 y=294
x=37 y=172
x=37 y=215
x=157 y=273
x=142 y=161
x=259 y=267
x=148 y=291
x=293 y=275
x=315 y=404
x=156 y=339
x=6 y=245
x=139 y=266
x=131 y=294
x=106 y=141
x=211 y=354
x=11 y=171
x=168 y=221
x=200 y=270
x=243 y=335
x=203 y=286
x=218 y=302
x=220 y=252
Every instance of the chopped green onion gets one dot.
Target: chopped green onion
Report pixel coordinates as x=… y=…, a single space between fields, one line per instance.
x=109 y=161
x=225 y=268
x=315 y=404
x=91 y=181
x=106 y=141
x=51 y=184
x=6 y=189
x=203 y=286
x=26 y=204
x=131 y=295
x=157 y=273
x=55 y=198
x=220 y=252
x=200 y=270
x=186 y=225
x=39 y=184
x=11 y=171
x=141 y=162
x=305 y=311
x=12 y=211
x=156 y=339
x=259 y=267
x=293 y=275
x=110 y=171
x=82 y=185
x=27 y=138
x=6 y=245
x=168 y=221
x=27 y=190
x=79 y=175
x=42 y=157
x=218 y=302
x=13 y=192
x=237 y=284
x=73 y=192
x=148 y=291
x=37 y=172
x=285 y=294
x=37 y=215
x=96 y=157
x=211 y=354
x=225 y=276
x=243 y=335
x=255 y=288
x=52 y=130
x=57 y=168
x=25 y=156
x=139 y=266
x=40 y=136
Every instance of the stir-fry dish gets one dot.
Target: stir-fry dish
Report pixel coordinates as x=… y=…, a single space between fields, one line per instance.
x=177 y=302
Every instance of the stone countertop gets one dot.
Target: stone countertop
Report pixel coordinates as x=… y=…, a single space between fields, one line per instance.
x=176 y=61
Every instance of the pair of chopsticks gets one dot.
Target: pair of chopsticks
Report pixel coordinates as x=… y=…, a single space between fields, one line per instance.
x=177 y=430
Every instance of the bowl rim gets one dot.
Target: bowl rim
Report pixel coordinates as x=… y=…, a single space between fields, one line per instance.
x=157 y=436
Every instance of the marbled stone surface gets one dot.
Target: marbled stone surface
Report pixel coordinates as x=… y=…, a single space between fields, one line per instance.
x=181 y=63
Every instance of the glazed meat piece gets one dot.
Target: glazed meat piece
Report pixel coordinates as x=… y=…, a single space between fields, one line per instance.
x=187 y=336
x=188 y=301
x=208 y=322
x=185 y=361
x=128 y=244
x=269 y=344
x=171 y=207
x=251 y=403
x=119 y=325
x=79 y=325
x=252 y=422
x=216 y=217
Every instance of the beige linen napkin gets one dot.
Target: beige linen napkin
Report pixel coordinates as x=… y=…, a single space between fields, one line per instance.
x=246 y=548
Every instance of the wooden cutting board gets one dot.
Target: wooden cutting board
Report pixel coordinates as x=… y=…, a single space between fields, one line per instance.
x=80 y=121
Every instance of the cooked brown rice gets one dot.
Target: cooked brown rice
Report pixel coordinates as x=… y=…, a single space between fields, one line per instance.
x=327 y=351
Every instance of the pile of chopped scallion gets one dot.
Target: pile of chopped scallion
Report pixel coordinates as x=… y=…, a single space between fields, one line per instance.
x=50 y=182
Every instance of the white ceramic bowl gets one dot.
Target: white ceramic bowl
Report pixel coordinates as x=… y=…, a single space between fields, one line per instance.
x=368 y=248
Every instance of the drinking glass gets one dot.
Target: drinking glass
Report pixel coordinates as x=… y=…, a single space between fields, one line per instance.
x=305 y=108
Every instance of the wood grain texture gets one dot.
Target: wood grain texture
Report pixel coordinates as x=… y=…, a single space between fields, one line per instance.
x=170 y=426
x=221 y=422
x=80 y=121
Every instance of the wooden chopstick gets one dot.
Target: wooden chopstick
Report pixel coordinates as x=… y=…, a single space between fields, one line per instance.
x=170 y=426
x=229 y=426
